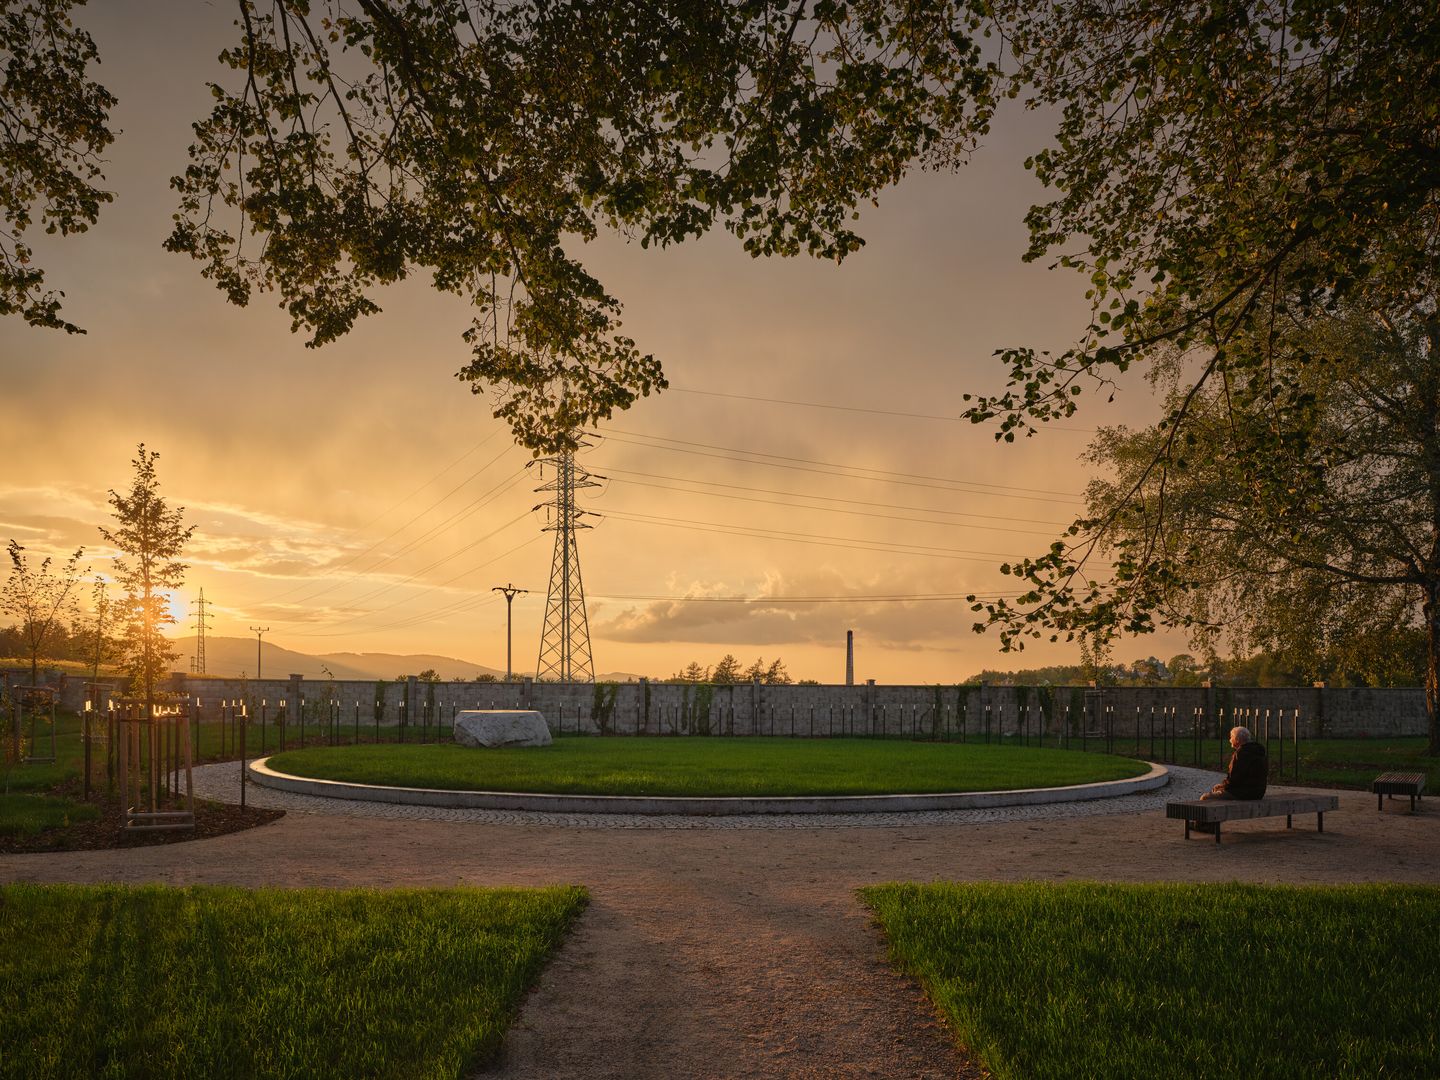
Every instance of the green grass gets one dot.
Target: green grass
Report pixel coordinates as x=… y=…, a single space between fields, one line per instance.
x=26 y=814
x=1356 y=762
x=157 y=982
x=696 y=766
x=1075 y=980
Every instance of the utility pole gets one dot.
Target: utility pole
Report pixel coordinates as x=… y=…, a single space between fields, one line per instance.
x=510 y=592
x=260 y=632
x=565 y=640
x=201 y=625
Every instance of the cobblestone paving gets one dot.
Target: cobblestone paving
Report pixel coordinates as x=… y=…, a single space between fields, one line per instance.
x=222 y=782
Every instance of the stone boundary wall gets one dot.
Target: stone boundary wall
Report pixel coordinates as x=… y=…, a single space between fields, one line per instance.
x=753 y=708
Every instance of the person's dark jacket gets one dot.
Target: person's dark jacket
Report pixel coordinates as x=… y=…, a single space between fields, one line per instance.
x=1249 y=769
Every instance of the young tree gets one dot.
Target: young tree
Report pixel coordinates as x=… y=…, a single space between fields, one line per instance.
x=40 y=599
x=693 y=672
x=726 y=671
x=101 y=645
x=776 y=674
x=149 y=538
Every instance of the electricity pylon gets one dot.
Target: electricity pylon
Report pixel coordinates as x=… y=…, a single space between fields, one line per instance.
x=202 y=623
x=565 y=641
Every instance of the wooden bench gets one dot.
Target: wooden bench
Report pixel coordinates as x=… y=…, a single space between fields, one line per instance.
x=1398 y=783
x=1206 y=816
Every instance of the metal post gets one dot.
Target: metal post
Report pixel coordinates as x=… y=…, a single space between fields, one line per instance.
x=243 y=778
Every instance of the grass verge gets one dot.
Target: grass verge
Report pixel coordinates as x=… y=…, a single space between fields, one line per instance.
x=1356 y=762
x=696 y=766
x=26 y=815
x=160 y=982
x=1043 y=980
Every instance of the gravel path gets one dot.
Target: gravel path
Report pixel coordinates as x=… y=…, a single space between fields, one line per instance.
x=717 y=949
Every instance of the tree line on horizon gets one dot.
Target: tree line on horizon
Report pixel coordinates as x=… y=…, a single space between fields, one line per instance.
x=1365 y=667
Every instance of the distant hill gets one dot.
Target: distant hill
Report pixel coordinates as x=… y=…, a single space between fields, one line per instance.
x=234 y=656
x=392 y=665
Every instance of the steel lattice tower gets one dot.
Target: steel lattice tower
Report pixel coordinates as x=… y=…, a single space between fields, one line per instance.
x=201 y=623
x=565 y=641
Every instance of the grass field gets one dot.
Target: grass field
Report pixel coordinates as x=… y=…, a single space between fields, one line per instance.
x=159 y=983
x=1356 y=762
x=1044 y=981
x=696 y=766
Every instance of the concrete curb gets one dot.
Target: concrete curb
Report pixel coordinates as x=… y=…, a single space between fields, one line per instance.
x=260 y=773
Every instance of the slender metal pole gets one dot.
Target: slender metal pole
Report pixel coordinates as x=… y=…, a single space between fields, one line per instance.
x=510 y=592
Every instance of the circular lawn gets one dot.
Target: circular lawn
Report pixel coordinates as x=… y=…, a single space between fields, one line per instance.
x=695 y=766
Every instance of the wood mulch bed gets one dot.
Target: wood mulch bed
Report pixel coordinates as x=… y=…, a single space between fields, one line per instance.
x=211 y=819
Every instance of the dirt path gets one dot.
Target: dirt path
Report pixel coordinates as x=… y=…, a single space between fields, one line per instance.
x=743 y=953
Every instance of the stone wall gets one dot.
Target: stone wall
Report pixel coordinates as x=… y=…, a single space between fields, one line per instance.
x=752 y=708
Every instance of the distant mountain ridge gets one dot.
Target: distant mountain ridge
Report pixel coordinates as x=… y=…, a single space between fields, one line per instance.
x=235 y=656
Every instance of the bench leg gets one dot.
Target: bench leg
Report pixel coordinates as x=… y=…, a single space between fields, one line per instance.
x=1320 y=820
x=1287 y=822
x=1217 y=832
x=1379 y=801
x=1187 y=828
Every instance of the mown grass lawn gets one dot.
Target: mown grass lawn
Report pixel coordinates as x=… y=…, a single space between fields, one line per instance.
x=1345 y=763
x=160 y=983
x=1073 y=980
x=1356 y=762
x=24 y=814
x=710 y=766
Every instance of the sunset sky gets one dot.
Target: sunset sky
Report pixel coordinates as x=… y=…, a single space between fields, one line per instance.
x=360 y=498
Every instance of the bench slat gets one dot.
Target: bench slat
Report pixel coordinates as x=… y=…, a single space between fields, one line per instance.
x=1240 y=809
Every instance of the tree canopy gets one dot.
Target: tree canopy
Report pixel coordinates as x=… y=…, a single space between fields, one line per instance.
x=482 y=142
x=149 y=537
x=54 y=127
x=1303 y=524
x=41 y=598
x=1219 y=168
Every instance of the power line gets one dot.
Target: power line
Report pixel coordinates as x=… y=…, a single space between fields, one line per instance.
x=470 y=508
x=429 y=588
x=844 y=542
x=854 y=472
x=898 y=598
x=836 y=498
x=463 y=605
x=849 y=408
x=399 y=529
x=473 y=508
x=828 y=509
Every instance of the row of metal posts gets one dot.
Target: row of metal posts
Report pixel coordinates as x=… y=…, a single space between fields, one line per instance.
x=1166 y=726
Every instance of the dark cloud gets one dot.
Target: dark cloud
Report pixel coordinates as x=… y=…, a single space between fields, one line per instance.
x=763 y=622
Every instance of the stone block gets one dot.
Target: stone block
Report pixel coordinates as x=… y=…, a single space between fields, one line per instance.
x=501 y=727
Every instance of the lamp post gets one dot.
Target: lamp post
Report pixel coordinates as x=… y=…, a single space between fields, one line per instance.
x=510 y=592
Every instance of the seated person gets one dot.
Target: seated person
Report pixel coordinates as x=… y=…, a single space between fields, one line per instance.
x=1249 y=769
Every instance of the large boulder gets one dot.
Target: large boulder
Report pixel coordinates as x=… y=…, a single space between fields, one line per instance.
x=501 y=727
